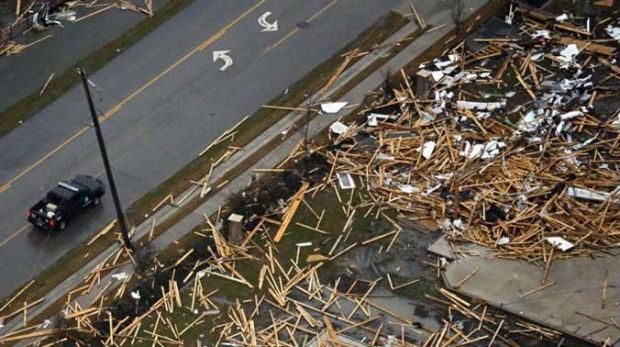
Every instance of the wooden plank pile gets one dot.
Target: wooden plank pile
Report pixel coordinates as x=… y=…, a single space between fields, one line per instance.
x=529 y=166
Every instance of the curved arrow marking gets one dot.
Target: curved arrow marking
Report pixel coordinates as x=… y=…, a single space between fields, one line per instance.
x=223 y=55
x=262 y=21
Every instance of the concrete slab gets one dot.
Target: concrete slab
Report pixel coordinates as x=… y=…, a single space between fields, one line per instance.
x=573 y=303
x=324 y=340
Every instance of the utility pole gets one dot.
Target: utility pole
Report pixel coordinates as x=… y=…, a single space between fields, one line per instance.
x=104 y=155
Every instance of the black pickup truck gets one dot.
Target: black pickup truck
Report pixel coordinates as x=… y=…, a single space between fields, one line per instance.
x=64 y=201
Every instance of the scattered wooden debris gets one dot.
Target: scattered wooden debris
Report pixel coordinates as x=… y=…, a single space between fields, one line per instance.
x=49 y=79
x=290 y=212
x=484 y=178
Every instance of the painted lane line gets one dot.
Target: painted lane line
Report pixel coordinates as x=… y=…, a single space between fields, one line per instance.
x=14 y=234
x=292 y=32
x=116 y=108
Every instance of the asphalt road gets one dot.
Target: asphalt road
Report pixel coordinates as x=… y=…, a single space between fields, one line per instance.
x=24 y=73
x=163 y=101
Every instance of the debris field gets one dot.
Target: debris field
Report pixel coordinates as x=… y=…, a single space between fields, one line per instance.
x=510 y=141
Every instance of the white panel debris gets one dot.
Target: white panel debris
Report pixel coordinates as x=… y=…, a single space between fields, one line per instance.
x=338 y=128
x=571 y=115
x=592 y=195
x=427 y=149
x=481 y=106
x=560 y=243
x=568 y=54
x=437 y=75
x=503 y=241
x=408 y=188
x=345 y=180
x=482 y=150
x=373 y=119
x=545 y=34
x=613 y=32
x=616 y=122
x=120 y=276
x=333 y=107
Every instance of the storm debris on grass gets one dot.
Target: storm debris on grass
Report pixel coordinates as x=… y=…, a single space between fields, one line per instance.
x=255 y=291
x=512 y=145
x=515 y=141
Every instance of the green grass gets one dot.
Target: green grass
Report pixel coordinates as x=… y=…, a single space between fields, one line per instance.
x=333 y=223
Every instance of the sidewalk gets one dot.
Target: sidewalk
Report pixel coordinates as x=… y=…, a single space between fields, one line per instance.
x=318 y=124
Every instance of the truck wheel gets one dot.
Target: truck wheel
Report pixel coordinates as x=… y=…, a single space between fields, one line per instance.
x=96 y=201
x=62 y=225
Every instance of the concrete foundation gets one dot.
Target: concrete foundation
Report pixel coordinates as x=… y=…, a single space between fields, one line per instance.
x=575 y=302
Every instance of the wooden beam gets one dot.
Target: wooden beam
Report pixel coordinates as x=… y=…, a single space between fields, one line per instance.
x=290 y=213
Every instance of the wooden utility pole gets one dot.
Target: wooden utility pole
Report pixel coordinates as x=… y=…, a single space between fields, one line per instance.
x=106 y=163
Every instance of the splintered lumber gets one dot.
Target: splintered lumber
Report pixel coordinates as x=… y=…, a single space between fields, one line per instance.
x=169 y=198
x=81 y=312
x=103 y=231
x=290 y=213
x=466 y=278
x=339 y=70
x=39 y=333
x=379 y=237
x=21 y=291
x=418 y=19
x=313 y=258
x=49 y=79
x=613 y=67
x=223 y=137
x=149 y=7
x=496 y=181
x=604 y=3
x=587 y=45
x=535 y=290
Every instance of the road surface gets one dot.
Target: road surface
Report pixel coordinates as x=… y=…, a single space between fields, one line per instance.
x=26 y=72
x=163 y=101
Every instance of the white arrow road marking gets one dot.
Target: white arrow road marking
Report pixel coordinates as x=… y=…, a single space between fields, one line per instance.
x=223 y=55
x=262 y=21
